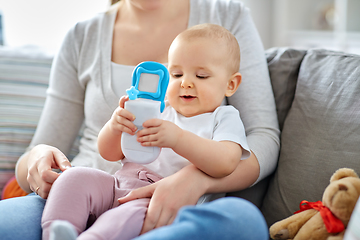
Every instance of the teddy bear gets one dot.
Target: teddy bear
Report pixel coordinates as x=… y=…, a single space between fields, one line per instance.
x=326 y=219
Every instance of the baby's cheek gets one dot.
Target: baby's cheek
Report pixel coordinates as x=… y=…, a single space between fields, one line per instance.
x=171 y=94
x=212 y=101
x=172 y=89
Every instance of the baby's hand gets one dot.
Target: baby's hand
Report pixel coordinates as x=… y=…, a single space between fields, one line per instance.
x=159 y=133
x=122 y=119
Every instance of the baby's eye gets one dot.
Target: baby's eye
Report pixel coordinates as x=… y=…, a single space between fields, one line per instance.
x=176 y=75
x=202 y=76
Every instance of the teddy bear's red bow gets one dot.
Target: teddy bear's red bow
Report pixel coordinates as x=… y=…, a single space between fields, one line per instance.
x=332 y=223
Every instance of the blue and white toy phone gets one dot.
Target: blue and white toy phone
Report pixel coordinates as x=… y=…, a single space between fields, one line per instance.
x=146 y=101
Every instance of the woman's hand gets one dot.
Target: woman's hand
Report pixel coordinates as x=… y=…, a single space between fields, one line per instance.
x=41 y=160
x=169 y=195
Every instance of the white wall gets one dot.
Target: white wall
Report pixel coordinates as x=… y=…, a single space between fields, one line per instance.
x=44 y=22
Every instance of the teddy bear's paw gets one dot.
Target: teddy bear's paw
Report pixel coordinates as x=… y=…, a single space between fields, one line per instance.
x=335 y=238
x=339 y=236
x=282 y=234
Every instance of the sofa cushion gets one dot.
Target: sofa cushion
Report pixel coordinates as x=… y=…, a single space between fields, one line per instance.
x=320 y=134
x=284 y=65
x=24 y=76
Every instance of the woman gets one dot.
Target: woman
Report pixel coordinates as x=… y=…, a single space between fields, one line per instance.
x=81 y=90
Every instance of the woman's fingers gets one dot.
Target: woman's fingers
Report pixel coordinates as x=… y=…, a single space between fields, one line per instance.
x=41 y=161
x=155 y=211
x=61 y=161
x=168 y=195
x=143 y=192
x=39 y=182
x=158 y=215
x=171 y=193
x=152 y=216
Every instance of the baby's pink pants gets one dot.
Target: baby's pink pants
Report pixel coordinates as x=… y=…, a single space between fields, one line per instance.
x=81 y=195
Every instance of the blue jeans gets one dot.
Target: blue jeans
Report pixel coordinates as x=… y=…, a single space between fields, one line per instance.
x=20 y=218
x=226 y=218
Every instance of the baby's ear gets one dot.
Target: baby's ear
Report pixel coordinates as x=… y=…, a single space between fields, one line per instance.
x=233 y=84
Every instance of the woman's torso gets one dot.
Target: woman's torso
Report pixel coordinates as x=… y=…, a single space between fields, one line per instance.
x=94 y=42
x=147 y=38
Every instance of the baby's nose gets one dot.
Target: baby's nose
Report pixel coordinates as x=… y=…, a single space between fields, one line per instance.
x=187 y=84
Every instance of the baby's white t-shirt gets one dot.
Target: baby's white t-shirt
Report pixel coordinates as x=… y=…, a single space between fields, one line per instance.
x=224 y=124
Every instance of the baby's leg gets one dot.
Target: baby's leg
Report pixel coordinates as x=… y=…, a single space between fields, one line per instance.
x=123 y=222
x=76 y=194
x=62 y=230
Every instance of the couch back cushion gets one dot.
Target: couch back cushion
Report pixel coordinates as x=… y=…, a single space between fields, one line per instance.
x=24 y=76
x=321 y=132
x=284 y=65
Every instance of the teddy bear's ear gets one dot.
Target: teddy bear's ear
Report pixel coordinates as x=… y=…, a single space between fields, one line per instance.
x=342 y=173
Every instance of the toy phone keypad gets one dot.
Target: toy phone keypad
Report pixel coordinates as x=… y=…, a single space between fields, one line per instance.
x=146 y=101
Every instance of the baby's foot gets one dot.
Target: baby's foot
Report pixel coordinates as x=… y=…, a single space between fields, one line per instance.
x=62 y=230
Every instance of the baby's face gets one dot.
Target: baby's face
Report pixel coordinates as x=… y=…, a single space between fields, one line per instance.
x=198 y=76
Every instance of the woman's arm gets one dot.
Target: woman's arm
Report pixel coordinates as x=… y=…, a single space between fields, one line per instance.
x=254 y=98
x=21 y=172
x=186 y=187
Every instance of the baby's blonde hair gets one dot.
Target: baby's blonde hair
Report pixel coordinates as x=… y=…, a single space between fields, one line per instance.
x=217 y=32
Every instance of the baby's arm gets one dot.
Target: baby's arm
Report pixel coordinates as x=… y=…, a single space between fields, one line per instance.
x=109 y=139
x=217 y=159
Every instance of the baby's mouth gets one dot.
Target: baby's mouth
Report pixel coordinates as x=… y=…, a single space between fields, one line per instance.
x=187 y=97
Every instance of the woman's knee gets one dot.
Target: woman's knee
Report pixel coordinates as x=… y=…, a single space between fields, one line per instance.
x=229 y=218
x=20 y=217
x=235 y=206
x=241 y=211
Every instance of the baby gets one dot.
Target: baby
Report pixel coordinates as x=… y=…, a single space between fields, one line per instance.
x=194 y=129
